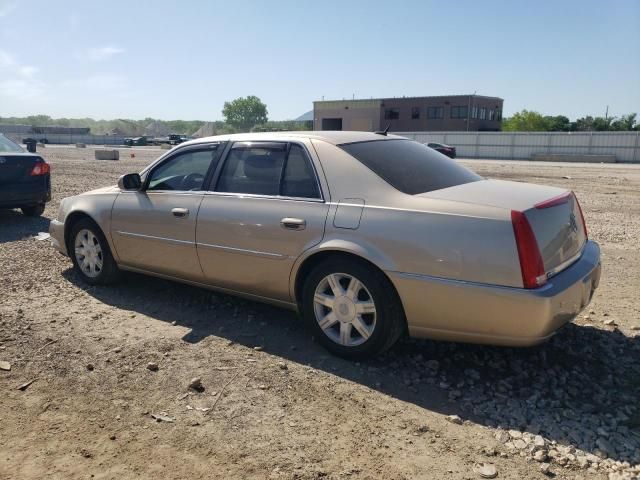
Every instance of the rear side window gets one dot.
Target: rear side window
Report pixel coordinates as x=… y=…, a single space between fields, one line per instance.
x=269 y=169
x=409 y=166
x=7 y=145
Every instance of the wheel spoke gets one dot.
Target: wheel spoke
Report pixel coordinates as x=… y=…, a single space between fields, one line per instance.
x=365 y=307
x=345 y=333
x=353 y=288
x=361 y=327
x=324 y=300
x=334 y=284
x=328 y=321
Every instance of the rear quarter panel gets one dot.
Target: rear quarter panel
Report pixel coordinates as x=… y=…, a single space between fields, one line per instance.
x=418 y=235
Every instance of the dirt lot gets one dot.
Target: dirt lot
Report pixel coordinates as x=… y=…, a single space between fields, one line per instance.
x=280 y=407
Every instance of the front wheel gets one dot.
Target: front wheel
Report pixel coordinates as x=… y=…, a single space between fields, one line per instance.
x=91 y=255
x=352 y=309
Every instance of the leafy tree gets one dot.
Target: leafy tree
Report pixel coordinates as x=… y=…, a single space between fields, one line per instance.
x=625 y=123
x=559 y=123
x=245 y=113
x=525 y=121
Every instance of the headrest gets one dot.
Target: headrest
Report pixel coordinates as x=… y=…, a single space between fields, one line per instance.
x=262 y=167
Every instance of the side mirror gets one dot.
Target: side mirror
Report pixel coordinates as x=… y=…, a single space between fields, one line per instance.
x=130 y=181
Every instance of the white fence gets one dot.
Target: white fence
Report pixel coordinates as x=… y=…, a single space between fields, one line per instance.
x=522 y=145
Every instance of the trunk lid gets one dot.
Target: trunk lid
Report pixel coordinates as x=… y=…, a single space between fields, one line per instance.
x=16 y=168
x=553 y=213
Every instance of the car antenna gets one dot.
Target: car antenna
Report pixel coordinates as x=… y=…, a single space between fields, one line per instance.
x=383 y=132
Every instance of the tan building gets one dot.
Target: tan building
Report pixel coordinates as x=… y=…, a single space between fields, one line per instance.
x=411 y=114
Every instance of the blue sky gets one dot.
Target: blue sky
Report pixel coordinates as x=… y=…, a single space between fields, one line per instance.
x=169 y=59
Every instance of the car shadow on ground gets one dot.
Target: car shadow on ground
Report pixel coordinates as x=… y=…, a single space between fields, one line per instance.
x=15 y=226
x=579 y=389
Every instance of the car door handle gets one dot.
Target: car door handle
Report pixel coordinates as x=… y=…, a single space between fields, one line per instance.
x=180 y=212
x=293 y=223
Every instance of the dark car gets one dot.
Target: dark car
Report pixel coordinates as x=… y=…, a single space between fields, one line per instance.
x=25 y=179
x=175 y=139
x=447 y=150
x=136 y=141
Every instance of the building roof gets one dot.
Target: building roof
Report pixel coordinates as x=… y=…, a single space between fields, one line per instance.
x=382 y=99
x=333 y=137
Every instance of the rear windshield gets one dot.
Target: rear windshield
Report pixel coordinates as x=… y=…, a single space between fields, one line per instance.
x=409 y=166
x=7 y=145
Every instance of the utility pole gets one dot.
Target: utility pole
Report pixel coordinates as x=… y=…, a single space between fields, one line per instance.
x=606 y=113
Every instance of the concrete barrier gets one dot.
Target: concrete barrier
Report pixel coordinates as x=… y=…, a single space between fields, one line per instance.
x=564 y=157
x=107 y=155
x=81 y=145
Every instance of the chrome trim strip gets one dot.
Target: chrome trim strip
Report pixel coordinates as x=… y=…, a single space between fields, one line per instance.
x=152 y=237
x=566 y=263
x=244 y=251
x=265 y=197
x=455 y=281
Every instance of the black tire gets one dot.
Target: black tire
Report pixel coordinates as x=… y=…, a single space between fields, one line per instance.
x=33 y=210
x=389 y=317
x=109 y=272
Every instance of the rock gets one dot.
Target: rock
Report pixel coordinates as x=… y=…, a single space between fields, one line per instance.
x=152 y=366
x=520 y=444
x=486 y=470
x=112 y=436
x=5 y=366
x=635 y=327
x=162 y=417
x=454 y=419
x=24 y=386
x=610 y=322
x=540 y=456
x=283 y=366
x=258 y=348
x=502 y=436
x=515 y=434
x=546 y=468
x=538 y=441
x=90 y=367
x=196 y=384
x=174 y=323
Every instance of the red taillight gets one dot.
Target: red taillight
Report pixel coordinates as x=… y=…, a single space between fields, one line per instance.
x=584 y=224
x=40 y=168
x=533 y=274
x=552 y=202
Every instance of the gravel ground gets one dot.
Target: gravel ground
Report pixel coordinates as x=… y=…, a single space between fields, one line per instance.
x=111 y=368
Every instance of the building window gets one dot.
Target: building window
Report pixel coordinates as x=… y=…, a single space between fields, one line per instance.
x=415 y=113
x=483 y=114
x=459 y=111
x=474 y=112
x=498 y=115
x=491 y=114
x=391 y=114
x=435 y=112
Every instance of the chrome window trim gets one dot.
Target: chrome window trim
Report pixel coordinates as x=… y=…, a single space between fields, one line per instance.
x=566 y=263
x=266 y=197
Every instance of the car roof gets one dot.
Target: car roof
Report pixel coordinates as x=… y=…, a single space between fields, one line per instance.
x=333 y=137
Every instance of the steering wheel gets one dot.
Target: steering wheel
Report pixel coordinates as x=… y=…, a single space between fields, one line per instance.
x=192 y=181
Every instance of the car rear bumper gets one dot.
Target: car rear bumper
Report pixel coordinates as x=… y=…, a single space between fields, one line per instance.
x=56 y=230
x=470 y=312
x=25 y=194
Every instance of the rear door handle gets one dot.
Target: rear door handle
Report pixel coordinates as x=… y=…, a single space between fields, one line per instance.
x=293 y=223
x=180 y=212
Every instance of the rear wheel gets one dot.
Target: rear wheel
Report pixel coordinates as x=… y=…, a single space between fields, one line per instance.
x=91 y=255
x=33 y=210
x=352 y=309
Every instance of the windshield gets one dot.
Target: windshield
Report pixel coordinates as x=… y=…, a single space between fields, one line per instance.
x=409 y=166
x=7 y=145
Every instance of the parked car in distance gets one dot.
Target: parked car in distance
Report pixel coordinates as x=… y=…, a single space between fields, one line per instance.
x=367 y=236
x=25 y=179
x=136 y=141
x=447 y=150
x=175 y=139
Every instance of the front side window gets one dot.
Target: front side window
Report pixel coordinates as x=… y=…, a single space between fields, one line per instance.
x=415 y=113
x=269 y=169
x=185 y=171
x=391 y=114
x=409 y=166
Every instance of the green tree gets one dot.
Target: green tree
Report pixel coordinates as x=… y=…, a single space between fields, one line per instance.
x=245 y=113
x=525 y=121
x=558 y=123
x=625 y=123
